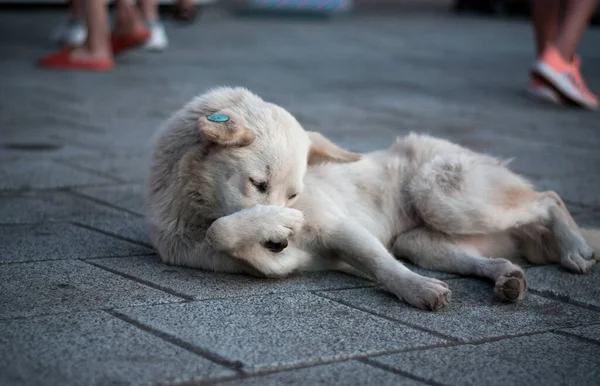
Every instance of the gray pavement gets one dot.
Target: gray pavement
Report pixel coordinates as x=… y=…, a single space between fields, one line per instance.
x=85 y=301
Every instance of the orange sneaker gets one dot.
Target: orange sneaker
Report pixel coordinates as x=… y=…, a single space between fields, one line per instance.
x=565 y=78
x=63 y=60
x=540 y=90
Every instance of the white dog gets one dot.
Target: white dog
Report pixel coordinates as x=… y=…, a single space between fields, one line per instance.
x=237 y=185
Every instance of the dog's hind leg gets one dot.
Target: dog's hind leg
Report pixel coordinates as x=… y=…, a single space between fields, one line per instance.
x=464 y=194
x=430 y=249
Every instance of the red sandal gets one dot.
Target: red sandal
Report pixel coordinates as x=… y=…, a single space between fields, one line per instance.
x=62 y=60
x=122 y=43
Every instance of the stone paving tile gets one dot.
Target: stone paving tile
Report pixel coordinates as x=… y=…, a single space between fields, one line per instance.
x=589 y=332
x=45 y=145
x=199 y=284
x=93 y=349
x=556 y=281
x=31 y=242
x=22 y=174
x=279 y=330
x=32 y=207
x=131 y=227
x=350 y=373
x=130 y=197
x=67 y=286
x=104 y=122
x=473 y=314
x=584 y=216
x=547 y=359
x=124 y=167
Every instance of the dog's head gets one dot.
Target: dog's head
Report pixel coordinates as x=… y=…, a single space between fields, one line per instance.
x=255 y=151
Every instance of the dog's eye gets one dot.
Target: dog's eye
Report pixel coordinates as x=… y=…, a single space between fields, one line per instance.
x=260 y=186
x=291 y=197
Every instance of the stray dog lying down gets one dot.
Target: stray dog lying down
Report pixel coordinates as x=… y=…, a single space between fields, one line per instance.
x=237 y=185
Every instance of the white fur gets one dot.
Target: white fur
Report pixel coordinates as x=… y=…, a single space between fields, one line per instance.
x=425 y=199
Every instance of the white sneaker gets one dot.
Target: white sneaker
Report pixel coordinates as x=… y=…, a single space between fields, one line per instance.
x=73 y=33
x=158 y=38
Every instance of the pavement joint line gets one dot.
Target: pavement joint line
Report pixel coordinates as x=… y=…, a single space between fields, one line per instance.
x=361 y=357
x=347 y=304
x=191 y=299
x=344 y=288
x=244 y=374
x=300 y=366
x=579 y=337
x=474 y=342
x=32 y=317
x=81 y=259
x=7 y=224
x=216 y=358
x=452 y=341
x=66 y=188
x=104 y=203
x=563 y=299
x=141 y=281
x=43 y=315
x=390 y=369
x=75 y=166
x=106 y=233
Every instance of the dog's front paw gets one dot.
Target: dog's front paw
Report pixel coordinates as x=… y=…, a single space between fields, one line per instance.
x=281 y=225
x=425 y=293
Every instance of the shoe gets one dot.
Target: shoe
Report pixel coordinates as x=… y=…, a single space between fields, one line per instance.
x=158 y=38
x=122 y=43
x=62 y=60
x=73 y=33
x=541 y=91
x=565 y=77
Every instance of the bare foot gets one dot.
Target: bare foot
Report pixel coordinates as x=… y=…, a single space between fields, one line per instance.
x=84 y=53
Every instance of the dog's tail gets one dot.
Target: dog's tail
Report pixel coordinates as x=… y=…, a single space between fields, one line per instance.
x=592 y=236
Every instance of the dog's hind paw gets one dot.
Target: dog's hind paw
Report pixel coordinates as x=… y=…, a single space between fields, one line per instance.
x=511 y=287
x=580 y=260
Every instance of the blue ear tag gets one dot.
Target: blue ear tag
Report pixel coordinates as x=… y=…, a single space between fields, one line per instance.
x=218 y=118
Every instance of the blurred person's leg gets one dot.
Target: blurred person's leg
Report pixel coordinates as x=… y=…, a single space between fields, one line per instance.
x=558 y=65
x=128 y=18
x=95 y=54
x=185 y=10
x=158 y=37
x=73 y=31
x=130 y=29
x=546 y=16
x=97 y=20
x=578 y=14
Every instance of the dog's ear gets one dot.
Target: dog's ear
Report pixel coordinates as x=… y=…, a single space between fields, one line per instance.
x=323 y=150
x=225 y=129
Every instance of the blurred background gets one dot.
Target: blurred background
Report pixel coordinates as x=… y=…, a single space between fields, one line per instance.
x=83 y=292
